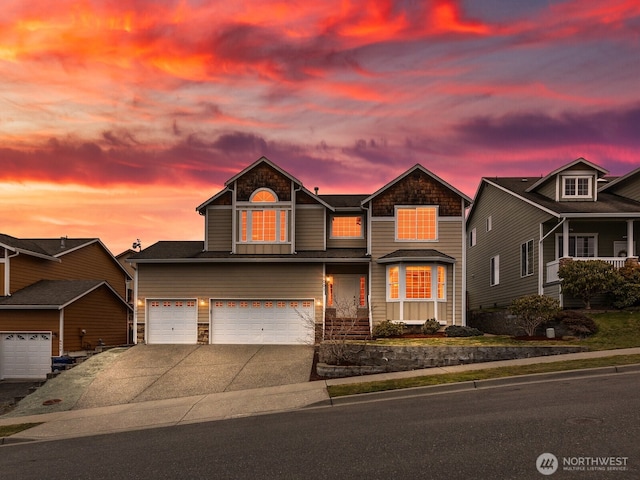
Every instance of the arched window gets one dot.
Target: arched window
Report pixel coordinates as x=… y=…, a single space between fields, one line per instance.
x=264 y=195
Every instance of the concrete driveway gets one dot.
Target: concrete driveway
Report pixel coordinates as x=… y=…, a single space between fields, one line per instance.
x=159 y=372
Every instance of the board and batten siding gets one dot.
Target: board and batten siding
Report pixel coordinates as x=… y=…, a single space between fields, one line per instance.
x=33 y=321
x=219 y=229
x=101 y=314
x=514 y=222
x=310 y=227
x=253 y=281
x=91 y=262
x=450 y=238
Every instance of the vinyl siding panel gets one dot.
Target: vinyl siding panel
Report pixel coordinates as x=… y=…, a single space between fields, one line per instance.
x=630 y=189
x=450 y=238
x=101 y=314
x=548 y=189
x=32 y=320
x=310 y=228
x=514 y=222
x=263 y=248
x=88 y=263
x=238 y=281
x=219 y=229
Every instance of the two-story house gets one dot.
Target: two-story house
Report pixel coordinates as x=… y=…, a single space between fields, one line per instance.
x=519 y=229
x=57 y=296
x=278 y=260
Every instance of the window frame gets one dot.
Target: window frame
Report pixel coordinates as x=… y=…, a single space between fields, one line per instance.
x=494 y=271
x=489 y=223
x=281 y=212
x=473 y=237
x=526 y=263
x=559 y=245
x=575 y=180
x=415 y=208
x=398 y=285
x=346 y=237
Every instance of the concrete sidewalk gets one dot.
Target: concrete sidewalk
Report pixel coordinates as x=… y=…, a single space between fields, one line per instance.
x=233 y=404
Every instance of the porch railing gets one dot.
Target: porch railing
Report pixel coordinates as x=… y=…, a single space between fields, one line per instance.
x=553 y=267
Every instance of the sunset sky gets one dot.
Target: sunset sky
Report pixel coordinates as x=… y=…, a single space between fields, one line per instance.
x=118 y=118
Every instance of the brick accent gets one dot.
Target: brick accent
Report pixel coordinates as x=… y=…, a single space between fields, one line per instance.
x=263 y=176
x=417 y=188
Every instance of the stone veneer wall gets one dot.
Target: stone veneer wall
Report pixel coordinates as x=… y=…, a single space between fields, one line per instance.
x=203 y=334
x=379 y=359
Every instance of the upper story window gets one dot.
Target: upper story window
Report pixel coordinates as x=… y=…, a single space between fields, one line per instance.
x=576 y=187
x=417 y=223
x=347 y=227
x=266 y=223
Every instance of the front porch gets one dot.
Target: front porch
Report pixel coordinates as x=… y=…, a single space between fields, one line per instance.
x=554 y=266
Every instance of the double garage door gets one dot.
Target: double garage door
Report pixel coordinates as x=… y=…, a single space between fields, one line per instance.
x=25 y=355
x=233 y=321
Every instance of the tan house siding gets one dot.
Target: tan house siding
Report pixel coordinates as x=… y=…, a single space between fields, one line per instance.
x=264 y=248
x=310 y=230
x=548 y=189
x=101 y=314
x=32 y=321
x=237 y=281
x=629 y=189
x=91 y=262
x=219 y=229
x=518 y=224
x=450 y=238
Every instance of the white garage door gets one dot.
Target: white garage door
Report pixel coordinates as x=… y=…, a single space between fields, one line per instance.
x=283 y=322
x=25 y=355
x=173 y=321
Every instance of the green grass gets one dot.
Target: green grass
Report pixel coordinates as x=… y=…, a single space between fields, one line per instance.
x=369 y=387
x=617 y=329
x=8 y=430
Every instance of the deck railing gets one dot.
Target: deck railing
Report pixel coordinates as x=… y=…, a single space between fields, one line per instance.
x=553 y=267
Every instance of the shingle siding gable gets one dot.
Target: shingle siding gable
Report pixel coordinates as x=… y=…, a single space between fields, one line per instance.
x=263 y=176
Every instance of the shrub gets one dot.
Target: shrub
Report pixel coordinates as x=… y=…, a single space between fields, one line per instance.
x=431 y=326
x=626 y=287
x=460 y=331
x=533 y=311
x=577 y=324
x=388 y=329
x=585 y=279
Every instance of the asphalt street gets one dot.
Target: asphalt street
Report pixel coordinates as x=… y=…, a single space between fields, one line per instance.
x=492 y=433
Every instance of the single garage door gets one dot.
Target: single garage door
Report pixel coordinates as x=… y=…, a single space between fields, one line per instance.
x=283 y=322
x=25 y=355
x=173 y=321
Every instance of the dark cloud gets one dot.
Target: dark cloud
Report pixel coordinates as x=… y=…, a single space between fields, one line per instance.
x=617 y=127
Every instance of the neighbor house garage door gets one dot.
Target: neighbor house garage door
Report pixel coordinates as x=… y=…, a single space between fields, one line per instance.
x=25 y=355
x=173 y=321
x=282 y=322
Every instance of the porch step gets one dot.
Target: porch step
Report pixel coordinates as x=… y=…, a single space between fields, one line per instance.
x=346 y=328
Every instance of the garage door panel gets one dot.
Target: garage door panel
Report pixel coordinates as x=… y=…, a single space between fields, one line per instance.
x=173 y=321
x=25 y=355
x=261 y=321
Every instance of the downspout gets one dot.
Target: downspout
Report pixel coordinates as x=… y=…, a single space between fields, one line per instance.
x=7 y=272
x=463 y=282
x=135 y=305
x=293 y=217
x=541 y=256
x=368 y=253
x=61 y=334
x=454 y=293
x=234 y=220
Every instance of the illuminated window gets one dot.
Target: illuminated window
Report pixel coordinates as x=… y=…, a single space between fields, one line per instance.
x=418 y=282
x=346 y=227
x=264 y=196
x=363 y=291
x=417 y=223
x=394 y=286
x=267 y=224
x=442 y=282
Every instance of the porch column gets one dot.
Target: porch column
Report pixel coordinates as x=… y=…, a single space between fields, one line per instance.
x=630 y=252
x=565 y=238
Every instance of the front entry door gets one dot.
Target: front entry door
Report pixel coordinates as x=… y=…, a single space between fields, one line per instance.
x=348 y=294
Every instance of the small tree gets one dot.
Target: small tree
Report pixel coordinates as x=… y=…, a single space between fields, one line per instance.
x=586 y=279
x=533 y=311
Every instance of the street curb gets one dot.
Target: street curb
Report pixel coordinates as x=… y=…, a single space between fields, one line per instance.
x=477 y=385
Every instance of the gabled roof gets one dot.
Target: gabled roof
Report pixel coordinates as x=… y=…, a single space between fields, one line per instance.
x=28 y=247
x=619 y=180
x=417 y=166
x=601 y=172
x=260 y=161
x=416 y=255
x=348 y=201
x=56 y=247
x=53 y=294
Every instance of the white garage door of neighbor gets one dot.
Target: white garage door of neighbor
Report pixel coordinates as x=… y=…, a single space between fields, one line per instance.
x=25 y=355
x=274 y=322
x=173 y=321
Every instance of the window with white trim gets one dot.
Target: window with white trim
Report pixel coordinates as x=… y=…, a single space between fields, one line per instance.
x=489 y=223
x=577 y=186
x=526 y=259
x=416 y=282
x=346 y=226
x=417 y=223
x=472 y=237
x=266 y=222
x=494 y=265
x=584 y=245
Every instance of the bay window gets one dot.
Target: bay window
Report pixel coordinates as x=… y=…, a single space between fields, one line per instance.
x=416 y=282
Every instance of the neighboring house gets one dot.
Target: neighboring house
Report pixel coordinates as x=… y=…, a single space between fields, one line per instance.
x=57 y=296
x=519 y=228
x=278 y=260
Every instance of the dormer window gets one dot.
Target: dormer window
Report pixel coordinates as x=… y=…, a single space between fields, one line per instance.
x=577 y=187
